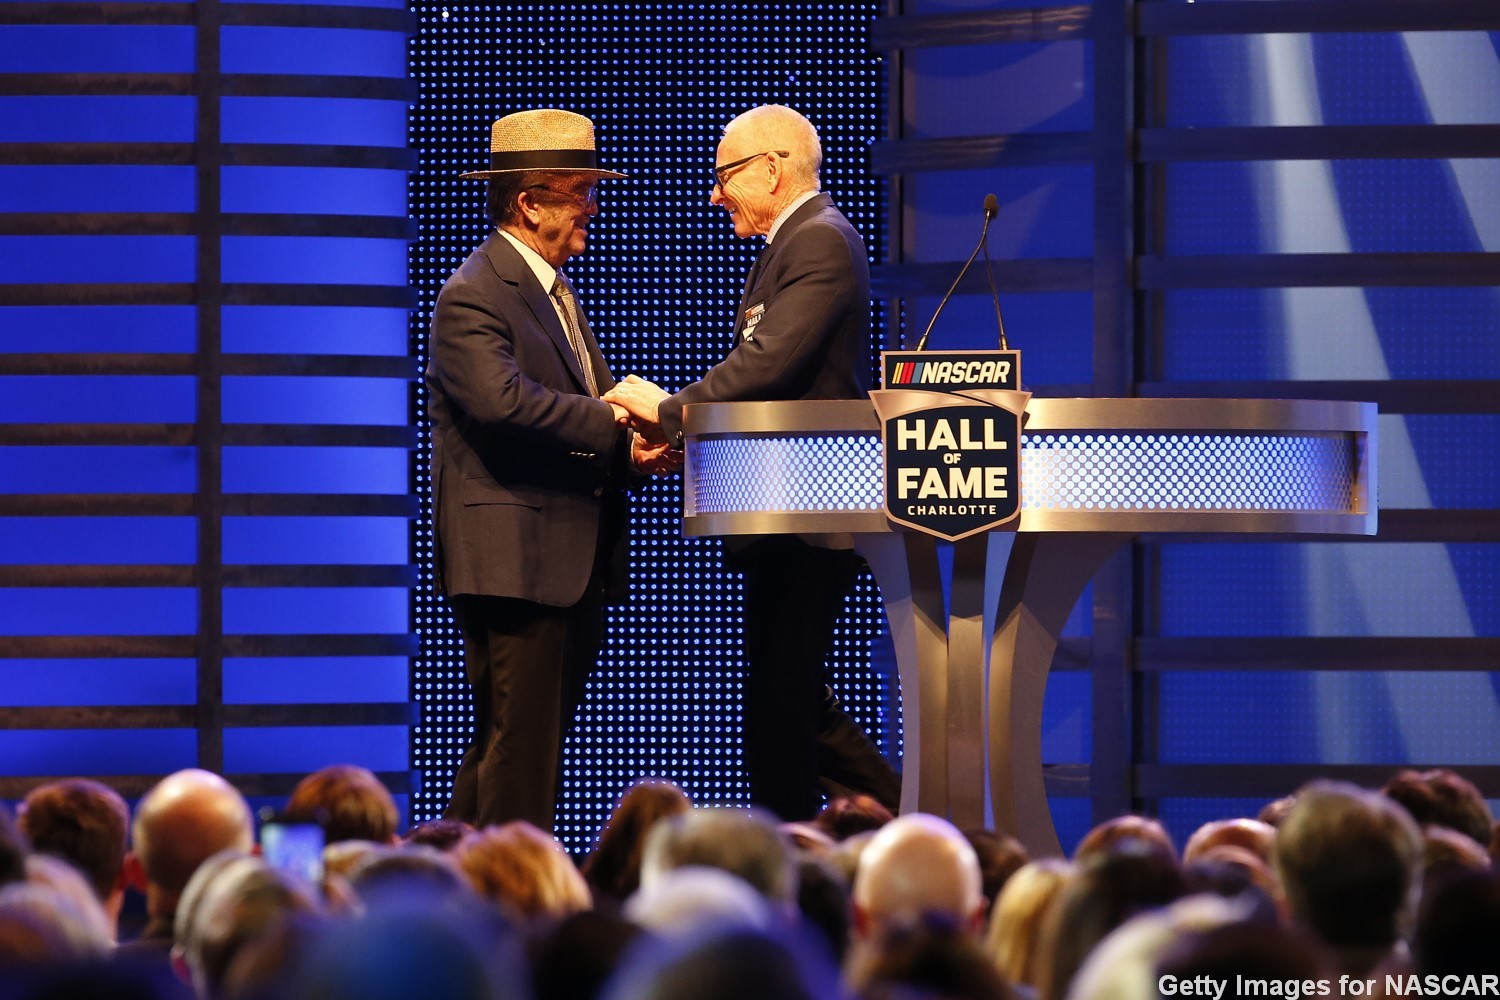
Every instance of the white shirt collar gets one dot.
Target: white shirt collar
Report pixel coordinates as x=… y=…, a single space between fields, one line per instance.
x=786 y=213
x=545 y=273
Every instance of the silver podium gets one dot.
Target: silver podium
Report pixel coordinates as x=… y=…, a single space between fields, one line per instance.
x=1094 y=473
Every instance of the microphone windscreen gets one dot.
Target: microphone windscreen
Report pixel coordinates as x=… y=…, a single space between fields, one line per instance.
x=991 y=206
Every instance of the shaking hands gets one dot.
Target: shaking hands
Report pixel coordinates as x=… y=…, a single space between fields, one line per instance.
x=635 y=401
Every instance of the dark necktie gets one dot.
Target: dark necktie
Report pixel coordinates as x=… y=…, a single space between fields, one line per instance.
x=563 y=293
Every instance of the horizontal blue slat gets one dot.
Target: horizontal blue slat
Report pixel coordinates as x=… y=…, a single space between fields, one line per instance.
x=98 y=399
x=103 y=541
x=312 y=541
x=307 y=680
x=316 y=610
x=393 y=4
x=91 y=188
x=86 y=329
x=97 y=259
x=1348 y=717
x=96 y=119
x=361 y=330
x=97 y=469
x=314 y=470
x=314 y=260
x=313 y=190
x=36 y=683
x=331 y=399
x=84 y=611
x=303 y=749
x=327 y=51
x=66 y=752
x=97 y=48
x=333 y=121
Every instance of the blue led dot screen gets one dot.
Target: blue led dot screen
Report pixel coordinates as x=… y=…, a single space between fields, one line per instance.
x=659 y=282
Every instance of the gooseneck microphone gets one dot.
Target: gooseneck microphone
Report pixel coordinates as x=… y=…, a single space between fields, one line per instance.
x=991 y=209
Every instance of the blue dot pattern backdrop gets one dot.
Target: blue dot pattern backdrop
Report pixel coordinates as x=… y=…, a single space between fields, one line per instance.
x=659 y=282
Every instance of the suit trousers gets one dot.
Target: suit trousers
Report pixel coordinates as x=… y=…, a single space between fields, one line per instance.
x=528 y=665
x=794 y=729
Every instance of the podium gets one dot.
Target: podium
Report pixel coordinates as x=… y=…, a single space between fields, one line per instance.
x=1094 y=473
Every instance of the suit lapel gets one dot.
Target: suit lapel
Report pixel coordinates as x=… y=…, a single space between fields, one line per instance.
x=513 y=269
x=762 y=266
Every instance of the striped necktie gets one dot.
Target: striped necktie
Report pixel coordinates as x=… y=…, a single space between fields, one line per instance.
x=563 y=293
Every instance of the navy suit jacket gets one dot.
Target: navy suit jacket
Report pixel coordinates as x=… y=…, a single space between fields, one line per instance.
x=807 y=313
x=528 y=471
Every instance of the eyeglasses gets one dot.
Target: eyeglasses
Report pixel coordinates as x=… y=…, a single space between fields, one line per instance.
x=588 y=199
x=721 y=173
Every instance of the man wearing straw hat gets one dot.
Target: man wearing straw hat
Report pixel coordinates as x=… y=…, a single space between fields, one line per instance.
x=529 y=467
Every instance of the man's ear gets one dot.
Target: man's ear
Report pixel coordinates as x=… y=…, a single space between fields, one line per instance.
x=527 y=206
x=775 y=173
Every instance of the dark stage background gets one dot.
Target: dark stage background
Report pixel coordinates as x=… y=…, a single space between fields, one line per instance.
x=659 y=281
x=223 y=224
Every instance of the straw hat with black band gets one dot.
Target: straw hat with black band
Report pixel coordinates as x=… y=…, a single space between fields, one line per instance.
x=542 y=139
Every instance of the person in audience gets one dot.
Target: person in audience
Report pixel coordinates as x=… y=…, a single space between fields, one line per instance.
x=1458 y=927
x=917 y=866
x=413 y=870
x=613 y=868
x=414 y=952
x=805 y=838
x=684 y=901
x=1123 y=965
x=262 y=967
x=1108 y=888
x=70 y=885
x=1235 y=873
x=40 y=925
x=1254 y=949
x=823 y=902
x=1016 y=920
x=1000 y=856
x=1273 y=812
x=1103 y=837
x=725 y=963
x=1447 y=852
x=85 y=824
x=931 y=958
x=1350 y=863
x=349 y=803
x=342 y=856
x=743 y=842
x=850 y=814
x=575 y=959
x=245 y=902
x=1251 y=834
x=185 y=819
x=443 y=834
x=524 y=870
x=1441 y=797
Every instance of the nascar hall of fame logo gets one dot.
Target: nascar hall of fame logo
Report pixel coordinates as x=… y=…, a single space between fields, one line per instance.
x=950 y=423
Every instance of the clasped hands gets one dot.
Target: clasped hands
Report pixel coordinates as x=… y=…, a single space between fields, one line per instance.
x=635 y=401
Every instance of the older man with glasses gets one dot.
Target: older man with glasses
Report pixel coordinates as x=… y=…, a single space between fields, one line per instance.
x=802 y=331
x=529 y=467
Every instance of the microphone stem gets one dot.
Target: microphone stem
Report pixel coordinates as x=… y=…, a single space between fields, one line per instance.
x=922 y=344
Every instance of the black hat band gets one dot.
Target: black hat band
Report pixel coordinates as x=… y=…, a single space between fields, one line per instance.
x=545 y=159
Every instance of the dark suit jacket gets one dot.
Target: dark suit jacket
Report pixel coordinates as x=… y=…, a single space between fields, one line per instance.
x=528 y=472
x=811 y=338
